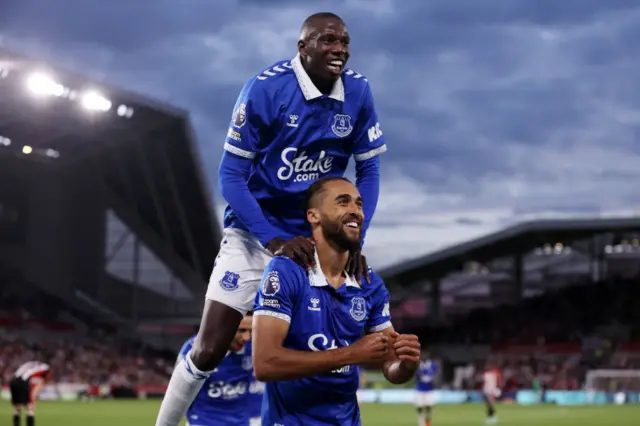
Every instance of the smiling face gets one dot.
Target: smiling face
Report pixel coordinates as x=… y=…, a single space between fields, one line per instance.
x=243 y=335
x=337 y=210
x=324 y=48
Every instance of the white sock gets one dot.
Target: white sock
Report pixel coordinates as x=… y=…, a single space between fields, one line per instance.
x=186 y=381
x=421 y=419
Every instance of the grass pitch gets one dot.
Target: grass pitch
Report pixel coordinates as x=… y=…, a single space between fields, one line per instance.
x=140 y=413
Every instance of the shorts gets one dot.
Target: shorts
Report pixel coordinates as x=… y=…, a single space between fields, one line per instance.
x=237 y=271
x=20 y=391
x=255 y=421
x=425 y=399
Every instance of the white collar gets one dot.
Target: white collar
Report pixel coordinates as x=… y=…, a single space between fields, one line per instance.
x=309 y=90
x=317 y=278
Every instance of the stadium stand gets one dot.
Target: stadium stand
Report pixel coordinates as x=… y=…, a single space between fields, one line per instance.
x=106 y=228
x=546 y=301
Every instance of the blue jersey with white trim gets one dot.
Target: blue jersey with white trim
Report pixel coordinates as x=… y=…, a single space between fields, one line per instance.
x=223 y=398
x=295 y=135
x=320 y=318
x=426 y=376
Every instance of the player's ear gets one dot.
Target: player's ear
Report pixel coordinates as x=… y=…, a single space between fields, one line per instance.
x=313 y=216
x=302 y=48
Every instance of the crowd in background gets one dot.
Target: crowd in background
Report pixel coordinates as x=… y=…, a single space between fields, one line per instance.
x=549 y=341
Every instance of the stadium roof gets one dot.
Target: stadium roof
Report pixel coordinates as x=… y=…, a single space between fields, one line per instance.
x=519 y=238
x=144 y=149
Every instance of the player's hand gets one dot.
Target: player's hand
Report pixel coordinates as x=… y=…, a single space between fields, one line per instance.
x=358 y=266
x=300 y=249
x=372 y=349
x=408 y=349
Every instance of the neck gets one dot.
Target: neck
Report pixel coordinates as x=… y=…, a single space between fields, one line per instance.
x=323 y=85
x=333 y=260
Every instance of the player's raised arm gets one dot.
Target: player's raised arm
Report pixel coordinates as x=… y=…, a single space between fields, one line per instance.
x=369 y=144
x=275 y=303
x=404 y=353
x=251 y=118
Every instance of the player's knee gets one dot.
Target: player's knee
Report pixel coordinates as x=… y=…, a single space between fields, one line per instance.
x=217 y=330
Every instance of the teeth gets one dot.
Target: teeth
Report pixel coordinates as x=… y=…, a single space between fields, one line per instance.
x=352 y=224
x=336 y=63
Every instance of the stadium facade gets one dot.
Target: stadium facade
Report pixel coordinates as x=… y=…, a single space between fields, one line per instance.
x=103 y=202
x=521 y=261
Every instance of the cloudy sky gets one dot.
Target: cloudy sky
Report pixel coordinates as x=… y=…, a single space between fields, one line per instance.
x=495 y=111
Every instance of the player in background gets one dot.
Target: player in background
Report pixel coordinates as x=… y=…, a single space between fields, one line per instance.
x=223 y=399
x=293 y=123
x=491 y=383
x=311 y=328
x=25 y=385
x=254 y=406
x=425 y=389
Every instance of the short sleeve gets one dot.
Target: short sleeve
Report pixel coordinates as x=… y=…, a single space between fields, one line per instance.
x=369 y=141
x=380 y=317
x=278 y=290
x=250 y=120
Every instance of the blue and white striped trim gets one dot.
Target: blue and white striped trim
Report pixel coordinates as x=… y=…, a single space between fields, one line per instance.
x=370 y=154
x=380 y=327
x=238 y=151
x=283 y=317
x=354 y=74
x=275 y=70
x=193 y=371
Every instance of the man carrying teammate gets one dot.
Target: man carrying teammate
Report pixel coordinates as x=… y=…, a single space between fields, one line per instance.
x=425 y=390
x=294 y=123
x=311 y=328
x=25 y=385
x=223 y=399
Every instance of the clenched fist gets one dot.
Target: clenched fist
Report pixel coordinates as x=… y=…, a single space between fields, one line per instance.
x=372 y=349
x=407 y=349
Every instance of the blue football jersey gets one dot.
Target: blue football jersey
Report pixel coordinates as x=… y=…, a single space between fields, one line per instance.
x=224 y=396
x=321 y=318
x=295 y=135
x=426 y=376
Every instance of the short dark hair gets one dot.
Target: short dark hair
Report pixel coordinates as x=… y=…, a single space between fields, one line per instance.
x=250 y=313
x=317 y=188
x=320 y=15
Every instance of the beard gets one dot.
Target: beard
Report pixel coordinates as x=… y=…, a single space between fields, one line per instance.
x=333 y=231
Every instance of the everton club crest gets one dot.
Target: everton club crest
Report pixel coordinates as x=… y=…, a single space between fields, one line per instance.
x=341 y=125
x=358 y=308
x=229 y=281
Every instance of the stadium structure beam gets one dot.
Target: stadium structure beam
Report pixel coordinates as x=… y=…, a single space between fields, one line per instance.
x=180 y=268
x=184 y=221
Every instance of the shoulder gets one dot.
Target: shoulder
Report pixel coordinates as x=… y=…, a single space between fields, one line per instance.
x=355 y=83
x=267 y=83
x=376 y=290
x=282 y=269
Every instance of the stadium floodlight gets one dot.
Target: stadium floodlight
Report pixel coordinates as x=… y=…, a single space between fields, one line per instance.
x=5 y=141
x=52 y=153
x=41 y=84
x=27 y=149
x=94 y=101
x=125 y=111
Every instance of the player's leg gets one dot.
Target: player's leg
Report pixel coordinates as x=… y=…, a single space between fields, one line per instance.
x=419 y=403
x=17 y=414
x=231 y=293
x=31 y=414
x=429 y=401
x=491 y=412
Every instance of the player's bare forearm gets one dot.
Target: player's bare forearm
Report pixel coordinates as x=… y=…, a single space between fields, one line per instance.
x=273 y=362
x=397 y=372
x=288 y=364
x=403 y=360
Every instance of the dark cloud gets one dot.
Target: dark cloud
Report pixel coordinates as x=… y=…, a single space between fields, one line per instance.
x=512 y=107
